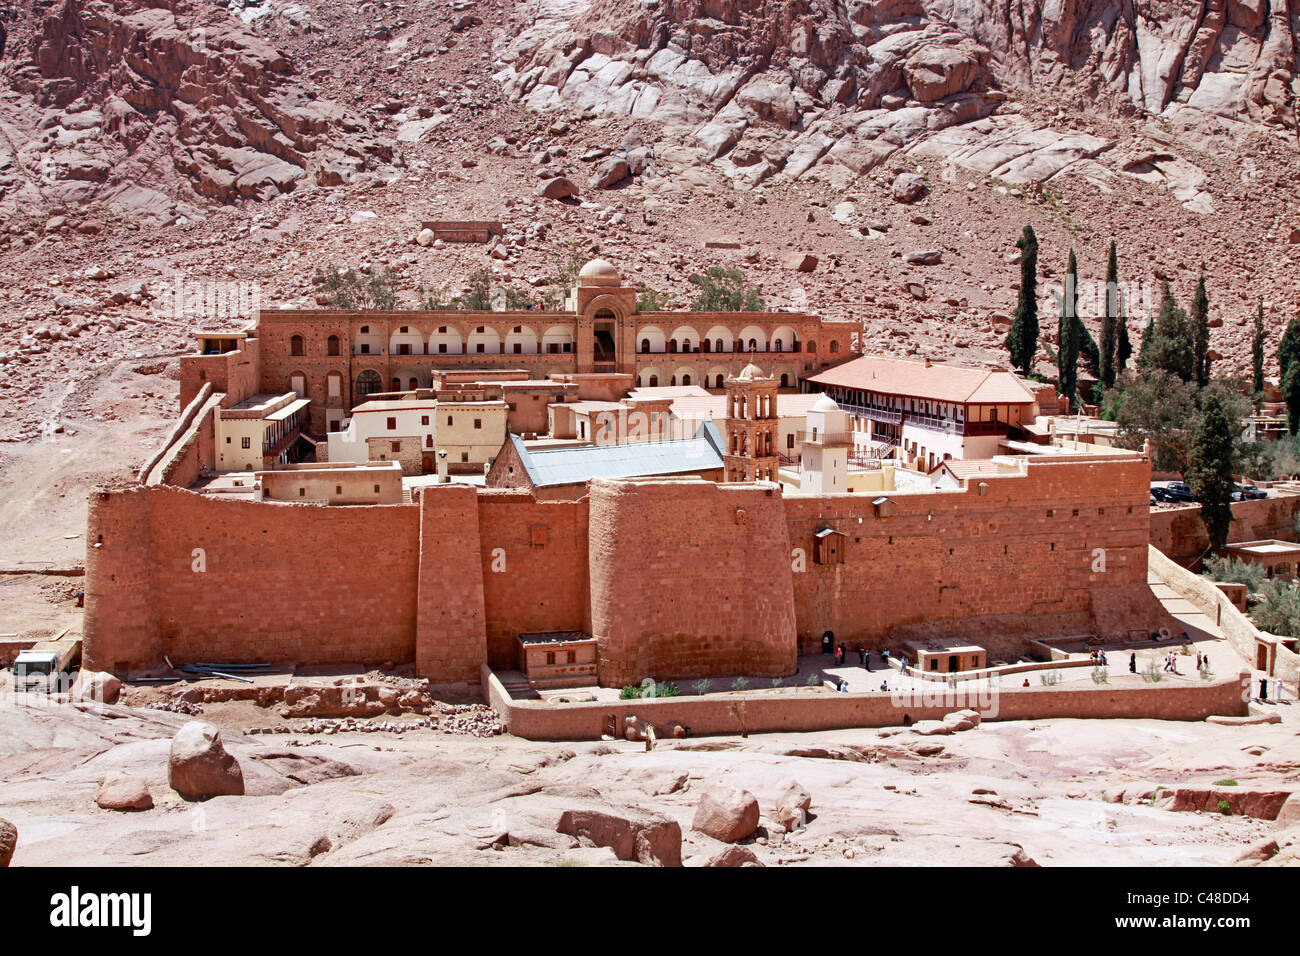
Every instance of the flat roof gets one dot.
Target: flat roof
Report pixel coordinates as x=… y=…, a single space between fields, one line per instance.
x=1272 y=546
x=576 y=464
x=932 y=381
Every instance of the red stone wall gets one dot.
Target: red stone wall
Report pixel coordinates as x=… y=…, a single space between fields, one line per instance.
x=451 y=638
x=238 y=374
x=281 y=582
x=689 y=579
x=534 y=558
x=1025 y=547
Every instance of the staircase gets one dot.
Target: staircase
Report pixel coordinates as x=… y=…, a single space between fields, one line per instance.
x=517 y=685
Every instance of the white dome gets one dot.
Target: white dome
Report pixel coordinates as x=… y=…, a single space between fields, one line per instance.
x=824 y=404
x=749 y=373
x=599 y=272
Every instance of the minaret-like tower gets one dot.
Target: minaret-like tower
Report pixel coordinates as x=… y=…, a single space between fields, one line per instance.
x=826 y=449
x=751 y=427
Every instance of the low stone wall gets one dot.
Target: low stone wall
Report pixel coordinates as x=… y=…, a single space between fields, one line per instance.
x=718 y=714
x=1240 y=631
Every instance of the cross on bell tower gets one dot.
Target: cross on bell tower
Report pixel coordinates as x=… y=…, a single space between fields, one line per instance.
x=751 y=427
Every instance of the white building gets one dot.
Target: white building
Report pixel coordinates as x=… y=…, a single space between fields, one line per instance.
x=826 y=449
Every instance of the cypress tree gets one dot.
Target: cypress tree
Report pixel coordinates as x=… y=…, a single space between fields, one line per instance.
x=1288 y=350
x=1110 y=321
x=1200 y=317
x=1209 y=472
x=1291 y=395
x=1257 y=349
x=1067 y=345
x=1170 y=340
x=1124 y=350
x=1022 y=338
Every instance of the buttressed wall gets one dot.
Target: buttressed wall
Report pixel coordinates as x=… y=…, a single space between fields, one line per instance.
x=676 y=578
x=690 y=579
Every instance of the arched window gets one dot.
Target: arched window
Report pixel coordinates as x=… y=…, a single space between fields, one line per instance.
x=295 y=345
x=415 y=383
x=719 y=382
x=654 y=381
x=368 y=382
x=778 y=345
x=719 y=346
x=332 y=345
x=672 y=381
x=753 y=345
x=812 y=345
x=645 y=346
x=707 y=345
x=396 y=385
x=785 y=378
x=686 y=380
x=835 y=346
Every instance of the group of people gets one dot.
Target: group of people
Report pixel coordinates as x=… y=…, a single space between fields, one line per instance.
x=1098 y=657
x=840 y=651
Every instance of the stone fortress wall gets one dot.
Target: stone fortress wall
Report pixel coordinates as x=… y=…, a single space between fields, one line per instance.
x=674 y=578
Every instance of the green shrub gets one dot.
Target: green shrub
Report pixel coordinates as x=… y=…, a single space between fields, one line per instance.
x=1278 y=609
x=701 y=686
x=739 y=683
x=725 y=290
x=1225 y=807
x=349 y=289
x=666 y=689
x=814 y=680
x=1225 y=783
x=1152 y=673
x=1049 y=678
x=1236 y=571
x=629 y=692
x=1100 y=675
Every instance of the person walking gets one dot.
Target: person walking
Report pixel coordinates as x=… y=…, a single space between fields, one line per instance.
x=1133 y=662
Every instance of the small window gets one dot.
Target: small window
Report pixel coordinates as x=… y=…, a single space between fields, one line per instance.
x=376 y=489
x=227 y=439
x=448 y=420
x=573 y=657
x=479 y=347
x=464 y=456
x=424 y=419
x=365 y=348
x=296 y=345
x=332 y=345
x=397 y=447
x=245 y=443
x=338 y=489
x=550 y=657
x=302 y=492
x=478 y=423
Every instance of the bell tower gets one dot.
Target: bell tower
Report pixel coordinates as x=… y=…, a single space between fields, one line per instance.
x=751 y=427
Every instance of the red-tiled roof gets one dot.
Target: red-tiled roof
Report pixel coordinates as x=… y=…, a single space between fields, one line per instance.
x=935 y=382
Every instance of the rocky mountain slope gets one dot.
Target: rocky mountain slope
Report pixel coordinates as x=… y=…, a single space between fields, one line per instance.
x=902 y=144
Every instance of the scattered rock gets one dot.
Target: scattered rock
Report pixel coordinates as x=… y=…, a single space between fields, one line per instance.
x=557 y=188
x=610 y=173
x=799 y=261
x=924 y=257
x=97 y=687
x=734 y=856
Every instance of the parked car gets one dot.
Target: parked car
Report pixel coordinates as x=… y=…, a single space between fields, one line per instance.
x=1251 y=492
x=1179 y=491
x=1161 y=494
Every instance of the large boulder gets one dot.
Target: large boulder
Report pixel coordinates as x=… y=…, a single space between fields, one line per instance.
x=122 y=791
x=726 y=814
x=557 y=188
x=935 y=71
x=97 y=687
x=609 y=173
x=1289 y=814
x=792 y=806
x=199 y=766
x=8 y=840
x=908 y=187
x=734 y=856
x=640 y=835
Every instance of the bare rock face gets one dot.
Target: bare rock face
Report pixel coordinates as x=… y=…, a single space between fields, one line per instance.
x=134 y=89
x=726 y=814
x=1289 y=814
x=8 y=841
x=122 y=791
x=640 y=835
x=199 y=766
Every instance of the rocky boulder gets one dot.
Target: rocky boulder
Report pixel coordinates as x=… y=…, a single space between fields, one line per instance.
x=800 y=261
x=792 y=806
x=8 y=841
x=609 y=173
x=199 y=766
x=1289 y=814
x=936 y=71
x=908 y=187
x=558 y=188
x=97 y=687
x=924 y=257
x=726 y=814
x=734 y=856
x=122 y=791
x=639 y=835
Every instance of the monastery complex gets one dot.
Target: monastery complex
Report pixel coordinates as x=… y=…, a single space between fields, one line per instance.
x=658 y=495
